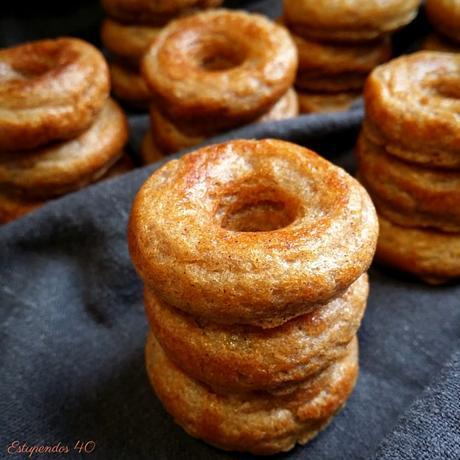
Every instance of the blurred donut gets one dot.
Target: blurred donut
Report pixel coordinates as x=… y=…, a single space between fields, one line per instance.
x=49 y=90
x=321 y=103
x=445 y=17
x=129 y=86
x=149 y=151
x=412 y=106
x=435 y=43
x=251 y=232
x=237 y=65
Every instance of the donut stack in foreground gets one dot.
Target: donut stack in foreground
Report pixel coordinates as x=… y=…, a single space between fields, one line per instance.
x=339 y=43
x=444 y=15
x=127 y=33
x=214 y=71
x=254 y=258
x=58 y=129
x=409 y=161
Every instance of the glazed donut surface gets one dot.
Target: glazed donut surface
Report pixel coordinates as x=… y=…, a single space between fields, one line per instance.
x=49 y=90
x=445 y=17
x=237 y=65
x=251 y=232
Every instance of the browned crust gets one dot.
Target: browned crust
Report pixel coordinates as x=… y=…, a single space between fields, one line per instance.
x=436 y=43
x=149 y=151
x=445 y=17
x=320 y=102
x=129 y=86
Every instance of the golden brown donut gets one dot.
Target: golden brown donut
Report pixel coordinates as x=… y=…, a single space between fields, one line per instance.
x=436 y=43
x=412 y=108
x=237 y=65
x=348 y=20
x=251 y=232
x=157 y=12
x=255 y=422
x=445 y=17
x=333 y=67
x=431 y=255
x=127 y=41
x=321 y=103
x=129 y=86
x=410 y=195
x=149 y=151
x=59 y=168
x=241 y=358
x=49 y=90
x=170 y=138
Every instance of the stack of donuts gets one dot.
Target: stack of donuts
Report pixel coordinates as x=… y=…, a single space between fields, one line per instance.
x=127 y=33
x=254 y=258
x=444 y=15
x=58 y=129
x=213 y=71
x=409 y=161
x=339 y=43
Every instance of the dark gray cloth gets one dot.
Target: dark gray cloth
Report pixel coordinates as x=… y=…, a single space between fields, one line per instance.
x=73 y=329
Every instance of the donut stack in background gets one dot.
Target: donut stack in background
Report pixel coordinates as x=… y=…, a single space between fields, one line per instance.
x=444 y=15
x=253 y=332
x=213 y=71
x=127 y=33
x=339 y=43
x=409 y=161
x=59 y=131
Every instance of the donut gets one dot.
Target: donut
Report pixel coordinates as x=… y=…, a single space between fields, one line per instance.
x=445 y=17
x=50 y=90
x=129 y=86
x=348 y=20
x=242 y=358
x=251 y=232
x=237 y=65
x=154 y=13
x=171 y=138
x=255 y=422
x=149 y=151
x=412 y=106
x=410 y=195
x=435 y=43
x=431 y=255
x=333 y=67
x=127 y=41
x=59 y=168
x=321 y=103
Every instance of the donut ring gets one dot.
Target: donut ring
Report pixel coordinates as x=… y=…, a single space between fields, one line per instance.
x=127 y=41
x=171 y=138
x=241 y=358
x=322 y=103
x=129 y=86
x=237 y=65
x=239 y=232
x=445 y=17
x=435 y=43
x=348 y=21
x=412 y=108
x=60 y=168
x=412 y=196
x=428 y=254
x=49 y=90
x=256 y=423
x=154 y=13
x=149 y=151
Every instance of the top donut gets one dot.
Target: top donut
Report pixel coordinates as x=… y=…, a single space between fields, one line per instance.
x=348 y=20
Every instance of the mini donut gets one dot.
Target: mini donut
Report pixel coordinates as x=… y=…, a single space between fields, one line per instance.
x=171 y=138
x=49 y=90
x=129 y=86
x=237 y=65
x=59 y=168
x=154 y=13
x=334 y=67
x=445 y=17
x=255 y=422
x=431 y=255
x=411 y=195
x=348 y=20
x=412 y=108
x=251 y=232
x=149 y=151
x=127 y=41
x=242 y=358
x=436 y=43
x=321 y=103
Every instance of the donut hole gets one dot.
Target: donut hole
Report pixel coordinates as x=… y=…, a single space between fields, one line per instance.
x=257 y=208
